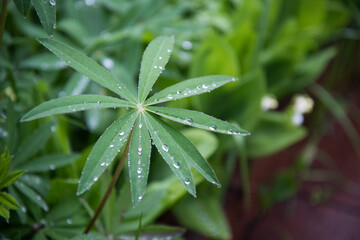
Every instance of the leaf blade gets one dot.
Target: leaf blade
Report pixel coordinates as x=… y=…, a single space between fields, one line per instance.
x=22 y=6
x=8 y=201
x=198 y=119
x=139 y=160
x=49 y=162
x=190 y=87
x=154 y=59
x=71 y=104
x=11 y=177
x=105 y=150
x=88 y=67
x=32 y=195
x=46 y=13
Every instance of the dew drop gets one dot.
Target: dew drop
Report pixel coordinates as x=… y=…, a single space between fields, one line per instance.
x=69 y=221
x=213 y=127
x=140 y=125
x=52 y=2
x=95 y=179
x=230 y=131
x=108 y=63
x=169 y=96
x=233 y=79
x=139 y=153
x=187 y=181
x=111 y=146
x=140 y=197
x=139 y=149
x=198 y=87
x=53 y=128
x=155 y=66
x=169 y=50
x=165 y=148
x=98 y=102
x=160 y=67
x=188 y=121
x=160 y=57
x=121 y=133
x=178 y=91
x=172 y=157
x=176 y=164
x=213 y=84
x=139 y=170
x=218 y=185
x=102 y=164
x=204 y=86
x=52 y=167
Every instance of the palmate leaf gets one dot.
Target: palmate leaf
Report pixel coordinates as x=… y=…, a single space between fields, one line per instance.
x=71 y=104
x=46 y=10
x=155 y=57
x=139 y=160
x=197 y=119
x=88 y=67
x=105 y=150
x=190 y=87
x=171 y=152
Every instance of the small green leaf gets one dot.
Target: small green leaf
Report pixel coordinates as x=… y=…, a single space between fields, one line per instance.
x=10 y=178
x=105 y=150
x=198 y=119
x=191 y=154
x=88 y=67
x=46 y=10
x=49 y=162
x=139 y=160
x=32 y=195
x=8 y=201
x=71 y=104
x=43 y=61
x=171 y=152
x=22 y=6
x=4 y=164
x=156 y=232
x=5 y=213
x=155 y=57
x=33 y=143
x=190 y=87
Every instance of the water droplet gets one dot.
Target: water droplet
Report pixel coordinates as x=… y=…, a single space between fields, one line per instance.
x=169 y=50
x=139 y=149
x=54 y=25
x=68 y=61
x=204 y=86
x=155 y=66
x=52 y=2
x=38 y=197
x=53 y=128
x=187 y=45
x=187 y=181
x=139 y=153
x=156 y=131
x=69 y=221
x=169 y=96
x=52 y=167
x=178 y=91
x=121 y=133
x=230 y=131
x=188 y=121
x=236 y=132
x=108 y=63
x=160 y=57
x=102 y=164
x=140 y=125
x=233 y=79
x=111 y=146
x=95 y=179
x=218 y=185
x=176 y=164
x=172 y=157
x=139 y=170
x=213 y=127
x=23 y=209
x=98 y=102
x=165 y=148
x=213 y=84
x=198 y=87
x=140 y=197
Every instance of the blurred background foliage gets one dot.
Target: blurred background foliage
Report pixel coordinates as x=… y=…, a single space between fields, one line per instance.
x=278 y=49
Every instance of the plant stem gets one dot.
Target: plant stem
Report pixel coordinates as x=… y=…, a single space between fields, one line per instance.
x=111 y=186
x=2 y=20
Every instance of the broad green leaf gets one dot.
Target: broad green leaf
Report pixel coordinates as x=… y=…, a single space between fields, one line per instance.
x=46 y=10
x=105 y=150
x=8 y=201
x=4 y=164
x=198 y=119
x=33 y=143
x=155 y=57
x=190 y=87
x=171 y=152
x=22 y=6
x=160 y=232
x=191 y=154
x=49 y=162
x=73 y=104
x=139 y=160
x=5 y=213
x=32 y=195
x=10 y=178
x=88 y=67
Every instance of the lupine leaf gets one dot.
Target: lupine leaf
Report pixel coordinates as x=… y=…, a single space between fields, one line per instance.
x=190 y=87
x=171 y=152
x=22 y=6
x=10 y=178
x=105 y=150
x=32 y=195
x=46 y=10
x=139 y=160
x=88 y=67
x=155 y=57
x=5 y=213
x=4 y=164
x=49 y=162
x=8 y=201
x=71 y=104
x=197 y=119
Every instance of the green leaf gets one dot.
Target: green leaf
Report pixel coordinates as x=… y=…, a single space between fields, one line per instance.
x=32 y=195
x=49 y=162
x=46 y=10
x=71 y=104
x=155 y=57
x=4 y=164
x=88 y=67
x=198 y=119
x=33 y=143
x=90 y=236
x=191 y=154
x=10 y=178
x=190 y=87
x=139 y=160
x=205 y=142
x=8 y=201
x=156 y=232
x=171 y=152
x=105 y=150
x=5 y=213
x=43 y=61
x=22 y=6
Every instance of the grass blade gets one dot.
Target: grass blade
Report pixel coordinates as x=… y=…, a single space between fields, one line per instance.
x=46 y=10
x=139 y=160
x=105 y=150
x=198 y=119
x=155 y=57
x=190 y=87
x=71 y=104
x=171 y=152
x=88 y=67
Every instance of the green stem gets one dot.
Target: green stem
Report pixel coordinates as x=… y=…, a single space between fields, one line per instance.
x=2 y=20
x=111 y=186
